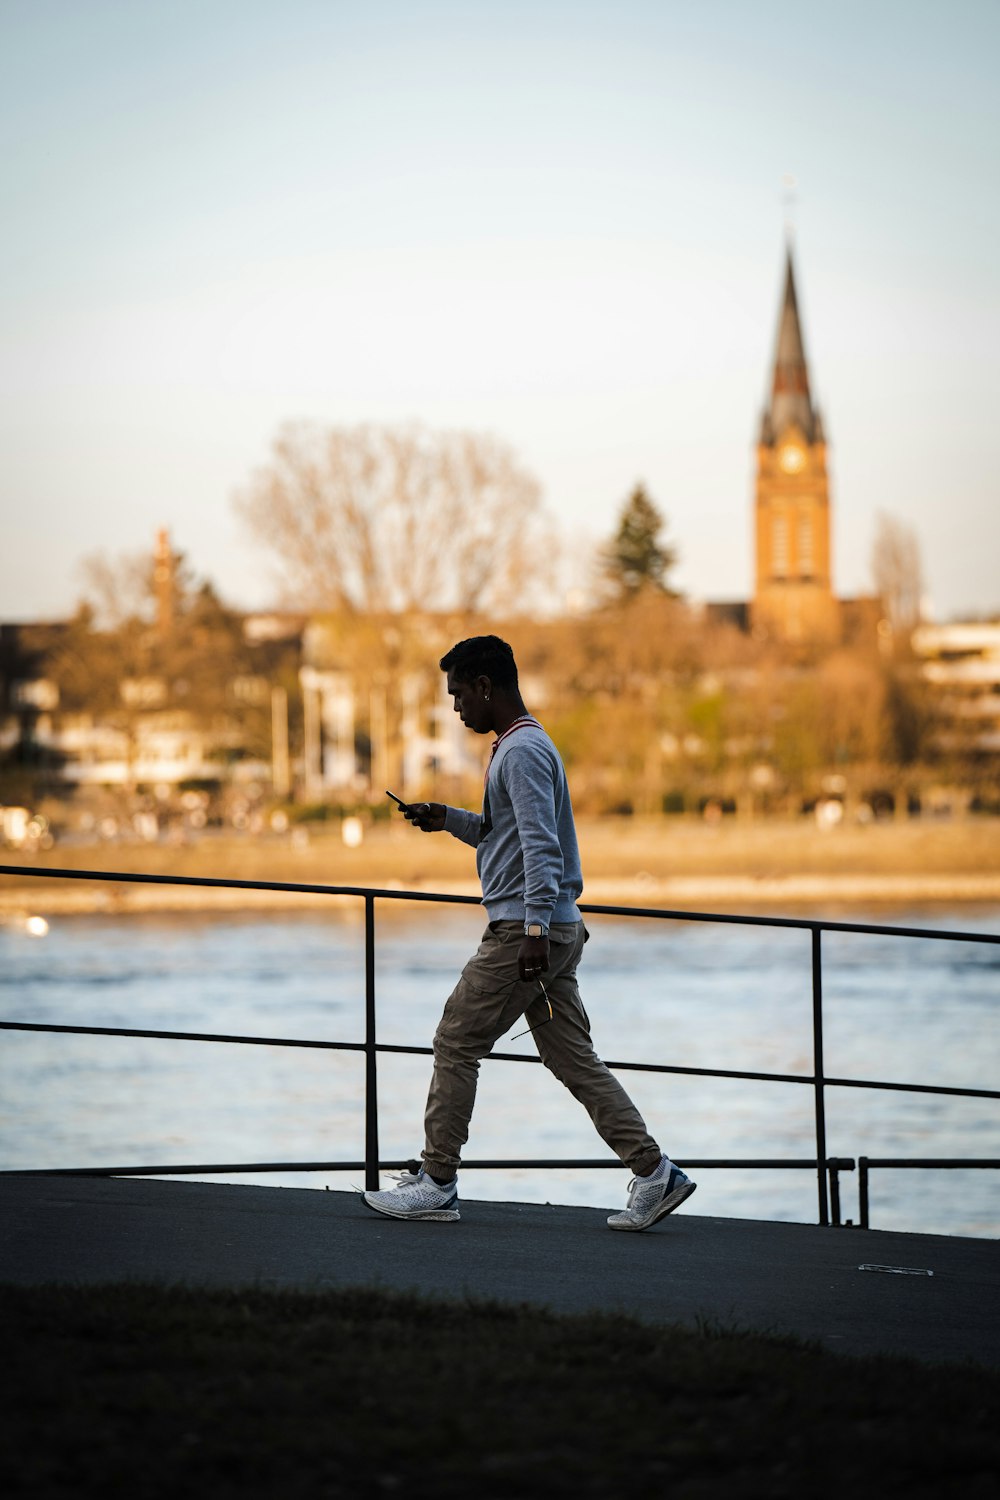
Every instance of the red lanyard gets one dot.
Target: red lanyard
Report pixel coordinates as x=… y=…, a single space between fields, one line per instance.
x=522 y=723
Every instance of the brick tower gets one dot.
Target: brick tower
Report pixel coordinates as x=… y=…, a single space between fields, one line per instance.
x=793 y=593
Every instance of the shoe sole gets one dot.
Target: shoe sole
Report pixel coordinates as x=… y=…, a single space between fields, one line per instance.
x=664 y=1207
x=439 y=1215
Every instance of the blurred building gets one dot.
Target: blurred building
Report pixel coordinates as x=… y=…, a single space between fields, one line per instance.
x=29 y=693
x=376 y=711
x=134 y=730
x=961 y=664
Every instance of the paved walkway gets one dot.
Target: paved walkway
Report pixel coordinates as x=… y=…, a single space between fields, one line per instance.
x=794 y=1278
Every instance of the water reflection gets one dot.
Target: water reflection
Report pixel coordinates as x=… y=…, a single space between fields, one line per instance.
x=687 y=994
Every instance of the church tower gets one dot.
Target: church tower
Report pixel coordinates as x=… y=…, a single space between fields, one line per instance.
x=793 y=591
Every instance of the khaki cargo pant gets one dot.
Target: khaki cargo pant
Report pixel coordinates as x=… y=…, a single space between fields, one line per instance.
x=485 y=1004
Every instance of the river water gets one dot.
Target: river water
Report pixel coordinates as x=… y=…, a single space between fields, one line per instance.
x=688 y=994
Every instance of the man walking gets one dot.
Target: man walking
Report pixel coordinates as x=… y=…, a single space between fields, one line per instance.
x=529 y=866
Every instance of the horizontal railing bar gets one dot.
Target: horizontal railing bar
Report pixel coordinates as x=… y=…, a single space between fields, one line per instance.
x=634 y=1067
x=182 y=1036
x=806 y=924
x=215 y=883
x=181 y=1171
x=949 y=1162
x=522 y=1057
x=911 y=1088
x=388 y=1047
x=836 y=1163
x=859 y=1083
x=850 y=1083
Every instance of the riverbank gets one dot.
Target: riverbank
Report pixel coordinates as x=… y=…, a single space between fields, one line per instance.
x=671 y=863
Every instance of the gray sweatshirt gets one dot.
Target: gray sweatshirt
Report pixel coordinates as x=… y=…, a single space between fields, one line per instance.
x=525 y=841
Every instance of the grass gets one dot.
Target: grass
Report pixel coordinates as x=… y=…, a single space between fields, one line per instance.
x=145 y=1391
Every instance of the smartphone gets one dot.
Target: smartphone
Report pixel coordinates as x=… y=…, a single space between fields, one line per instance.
x=404 y=806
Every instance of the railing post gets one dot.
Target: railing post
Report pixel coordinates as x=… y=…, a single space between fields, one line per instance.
x=818 y=1076
x=371 y=1056
x=835 y=1195
x=863 y=1191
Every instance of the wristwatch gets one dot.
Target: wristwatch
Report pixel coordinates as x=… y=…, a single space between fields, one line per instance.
x=534 y=929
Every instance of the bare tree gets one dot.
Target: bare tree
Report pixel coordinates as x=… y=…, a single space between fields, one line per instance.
x=118 y=589
x=898 y=575
x=374 y=519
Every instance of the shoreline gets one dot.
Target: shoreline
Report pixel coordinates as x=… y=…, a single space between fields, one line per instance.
x=702 y=893
x=668 y=865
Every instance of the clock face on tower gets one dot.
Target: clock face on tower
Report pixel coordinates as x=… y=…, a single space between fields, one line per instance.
x=791 y=458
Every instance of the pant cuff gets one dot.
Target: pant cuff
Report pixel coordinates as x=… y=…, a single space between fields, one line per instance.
x=446 y=1170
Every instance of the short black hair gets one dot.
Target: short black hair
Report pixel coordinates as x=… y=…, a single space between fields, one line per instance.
x=482 y=656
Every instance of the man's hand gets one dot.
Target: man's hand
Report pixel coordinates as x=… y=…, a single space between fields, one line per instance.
x=533 y=957
x=427 y=816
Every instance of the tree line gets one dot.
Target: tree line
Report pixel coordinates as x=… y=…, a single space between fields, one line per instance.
x=396 y=539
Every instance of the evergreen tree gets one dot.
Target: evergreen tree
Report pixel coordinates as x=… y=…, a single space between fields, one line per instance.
x=636 y=558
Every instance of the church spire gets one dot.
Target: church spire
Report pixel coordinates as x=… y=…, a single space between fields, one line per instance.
x=793 y=593
x=791 y=402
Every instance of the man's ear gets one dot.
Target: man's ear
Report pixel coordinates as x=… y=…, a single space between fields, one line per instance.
x=485 y=686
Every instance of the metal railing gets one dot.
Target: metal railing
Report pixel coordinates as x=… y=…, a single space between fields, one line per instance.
x=827 y=1168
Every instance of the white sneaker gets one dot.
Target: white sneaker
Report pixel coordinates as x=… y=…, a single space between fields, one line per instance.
x=649 y=1201
x=417 y=1196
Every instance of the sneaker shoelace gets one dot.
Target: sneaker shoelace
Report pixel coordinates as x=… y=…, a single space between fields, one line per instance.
x=407 y=1179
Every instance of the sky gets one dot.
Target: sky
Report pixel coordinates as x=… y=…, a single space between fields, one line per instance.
x=562 y=223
